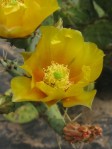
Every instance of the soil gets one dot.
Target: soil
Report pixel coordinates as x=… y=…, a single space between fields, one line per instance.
x=38 y=134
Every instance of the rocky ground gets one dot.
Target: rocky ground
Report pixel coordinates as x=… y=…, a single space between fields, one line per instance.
x=38 y=134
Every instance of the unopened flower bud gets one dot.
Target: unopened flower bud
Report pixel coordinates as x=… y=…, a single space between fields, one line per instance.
x=76 y=133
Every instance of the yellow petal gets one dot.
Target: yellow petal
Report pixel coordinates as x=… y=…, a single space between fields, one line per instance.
x=52 y=93
x=13 y=20
x=90 y=57
x=83 y=98
x=32 y=66
x=62 y=44
x=74 y=90
x=95 y=60
x=40 y=10
x=11 y=7
x=22 y=18
x=21 y=88
x=85 y=76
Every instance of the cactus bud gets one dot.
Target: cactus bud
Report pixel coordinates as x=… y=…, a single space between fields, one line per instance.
x=76 y=133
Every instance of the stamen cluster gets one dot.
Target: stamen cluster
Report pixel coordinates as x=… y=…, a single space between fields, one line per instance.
x=57 y=76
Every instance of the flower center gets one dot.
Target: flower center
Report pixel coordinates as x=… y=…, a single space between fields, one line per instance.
x=57 y=76
x=12 y=2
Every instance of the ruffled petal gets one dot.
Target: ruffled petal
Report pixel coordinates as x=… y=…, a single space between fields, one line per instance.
x=21 y=88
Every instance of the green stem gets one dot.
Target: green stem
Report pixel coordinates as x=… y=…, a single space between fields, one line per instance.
x=12 y=67
x=53 y=117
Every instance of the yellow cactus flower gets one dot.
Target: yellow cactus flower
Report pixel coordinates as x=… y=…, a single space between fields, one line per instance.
x=19 y=18
x=61 y=67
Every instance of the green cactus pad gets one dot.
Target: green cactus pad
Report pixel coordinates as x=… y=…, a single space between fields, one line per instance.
x=23 y=114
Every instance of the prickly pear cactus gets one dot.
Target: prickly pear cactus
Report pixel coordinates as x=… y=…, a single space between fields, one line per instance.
x=23 y=114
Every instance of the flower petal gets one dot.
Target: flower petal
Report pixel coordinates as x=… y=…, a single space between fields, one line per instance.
x=13 y=20
x=32 y=66
x=91 y=58
x=61 y=42
x=41 y=9
x=83 y=98
x=21 y=88
x=21 y=19
x=52 y=93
